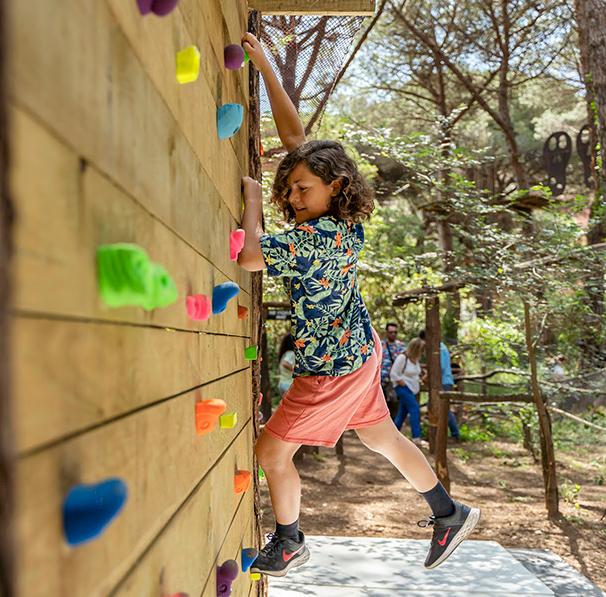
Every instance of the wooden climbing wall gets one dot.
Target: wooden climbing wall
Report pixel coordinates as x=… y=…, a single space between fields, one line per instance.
x=107 y=147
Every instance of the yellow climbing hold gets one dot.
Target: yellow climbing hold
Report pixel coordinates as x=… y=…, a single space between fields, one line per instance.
x=229 y=420
x=188 y=64
x=255 y=576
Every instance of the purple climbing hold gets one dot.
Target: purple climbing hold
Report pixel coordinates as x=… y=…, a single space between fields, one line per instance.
x=226 y=574
x=222 y=294
x=233 y=56
x=158 y=7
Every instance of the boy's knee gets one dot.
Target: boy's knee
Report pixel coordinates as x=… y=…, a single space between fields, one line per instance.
x=268 y=459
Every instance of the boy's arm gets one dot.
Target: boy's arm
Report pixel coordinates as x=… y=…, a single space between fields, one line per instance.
x=287 y=120
x=251 y=256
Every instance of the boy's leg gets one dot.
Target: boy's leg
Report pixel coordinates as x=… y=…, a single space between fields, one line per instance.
x=449 y=529
x=286 y=548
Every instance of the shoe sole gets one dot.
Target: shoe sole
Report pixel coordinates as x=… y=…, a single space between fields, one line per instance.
x=468 y=526
x=302 y=559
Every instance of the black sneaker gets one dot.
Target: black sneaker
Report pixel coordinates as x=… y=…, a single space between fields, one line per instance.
x=449 y=531
x=280 y=555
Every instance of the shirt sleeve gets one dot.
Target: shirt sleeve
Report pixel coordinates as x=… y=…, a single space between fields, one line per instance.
x=289 y=253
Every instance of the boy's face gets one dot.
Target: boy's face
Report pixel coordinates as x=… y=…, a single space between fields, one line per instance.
x=309 y=196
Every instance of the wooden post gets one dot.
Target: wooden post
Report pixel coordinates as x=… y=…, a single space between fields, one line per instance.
x=6 y=445
x=434 y=371
x=265 y=380
x=547 y=452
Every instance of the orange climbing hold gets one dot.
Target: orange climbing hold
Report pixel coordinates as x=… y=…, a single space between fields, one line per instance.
x=242 y=312
x=242 y=481
x=207 y=415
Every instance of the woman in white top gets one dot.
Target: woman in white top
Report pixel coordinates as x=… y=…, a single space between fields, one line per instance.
x=286 y=363
x=405 y=377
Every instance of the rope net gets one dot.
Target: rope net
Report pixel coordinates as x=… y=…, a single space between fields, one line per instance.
x=307 y=53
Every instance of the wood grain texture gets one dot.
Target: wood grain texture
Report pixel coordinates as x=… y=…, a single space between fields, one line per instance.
x=66 y=213
x=314 y=7
x=71 y=376
x=74 y=68
x=157 y=452
x=206 y=531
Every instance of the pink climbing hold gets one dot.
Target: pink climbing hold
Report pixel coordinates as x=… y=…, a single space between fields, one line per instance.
x=198 y=307
x=260 y=399
x=158 y=7
x=236 y=242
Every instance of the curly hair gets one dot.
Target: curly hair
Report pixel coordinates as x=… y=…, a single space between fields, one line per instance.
x=327 y=160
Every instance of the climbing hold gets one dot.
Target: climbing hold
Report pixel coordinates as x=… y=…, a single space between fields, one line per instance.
x=180 y=595
x=261 y=148
x=229 y=120
x=236 y=242
x=207 y=415
x=233 y=56
x=229 y=420
x=188 y=64
x=124 y=274
x=226 y=574
x=242 y=312
x=246 y=57
x=242 y=481
x=163 y=290
x=198 y=307
x=261 y=473
x=255 y=576
x=222 y=294
x=248 y=557
x=260 y=399
x=88 y=509
x=250 y=354
x=158 y=7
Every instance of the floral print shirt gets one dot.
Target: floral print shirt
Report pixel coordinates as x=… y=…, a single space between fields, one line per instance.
x=330 y=323
x=397 y=348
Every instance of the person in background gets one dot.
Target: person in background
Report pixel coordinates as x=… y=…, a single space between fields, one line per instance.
x=286 y=363
x=447 y=384
x=405 y=376
x=392 y=348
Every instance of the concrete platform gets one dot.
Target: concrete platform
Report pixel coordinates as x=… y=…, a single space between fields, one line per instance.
x=373 y=567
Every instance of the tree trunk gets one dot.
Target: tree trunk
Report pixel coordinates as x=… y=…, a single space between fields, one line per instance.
x=591 y=20
x=434 y=371
x=547 y=452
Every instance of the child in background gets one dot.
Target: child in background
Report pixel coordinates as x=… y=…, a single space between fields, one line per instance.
x=337 y=376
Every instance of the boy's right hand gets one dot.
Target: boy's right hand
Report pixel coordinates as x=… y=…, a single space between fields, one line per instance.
x=252 y=190
x=255 y=51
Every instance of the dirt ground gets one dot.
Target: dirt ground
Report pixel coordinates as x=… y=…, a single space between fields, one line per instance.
x=361 y=494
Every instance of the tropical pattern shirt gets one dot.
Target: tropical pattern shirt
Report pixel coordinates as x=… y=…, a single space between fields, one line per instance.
x=330 y=323
x=397 y=348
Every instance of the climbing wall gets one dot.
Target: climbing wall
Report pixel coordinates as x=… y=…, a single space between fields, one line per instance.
x=123 y=485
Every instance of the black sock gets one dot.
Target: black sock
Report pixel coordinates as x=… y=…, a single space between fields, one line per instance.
x=439 y=501
x=288 y=531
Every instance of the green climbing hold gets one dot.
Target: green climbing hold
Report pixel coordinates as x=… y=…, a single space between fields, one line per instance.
x=163 y=290
x=246 y=57
x=261 y=473
x=127 y=277
x=250 y=354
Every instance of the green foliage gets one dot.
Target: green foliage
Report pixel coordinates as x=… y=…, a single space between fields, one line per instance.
x=475 y=434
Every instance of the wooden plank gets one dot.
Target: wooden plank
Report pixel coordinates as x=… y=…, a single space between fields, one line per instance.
x=202 y=535
x=65 y=214
x=71 y=376
x=73 y=67
x=156 y=42
x=157 y=452
x=314 y=7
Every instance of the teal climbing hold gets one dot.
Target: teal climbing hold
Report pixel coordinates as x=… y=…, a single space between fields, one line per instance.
x=127 y=277
x=124 y=274
x=163 y=290
x=88 y=509
x=222 y=294
x=229 y=120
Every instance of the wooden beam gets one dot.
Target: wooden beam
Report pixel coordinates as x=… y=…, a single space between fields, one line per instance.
x=496 y=398
x=314 y=7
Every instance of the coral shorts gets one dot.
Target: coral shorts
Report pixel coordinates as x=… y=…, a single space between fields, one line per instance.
x=317 y=409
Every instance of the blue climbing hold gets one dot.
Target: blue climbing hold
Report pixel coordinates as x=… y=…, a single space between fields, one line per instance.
x=222 y=294
x=88 y=509
x=229 y=120
x=248 y=557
